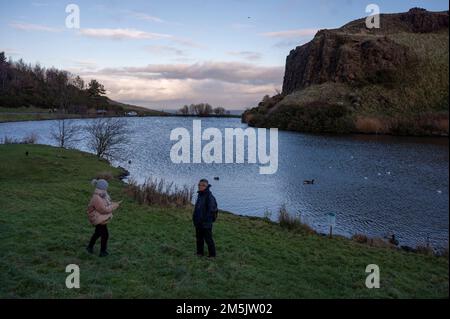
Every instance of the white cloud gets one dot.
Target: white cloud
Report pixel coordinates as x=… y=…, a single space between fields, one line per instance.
x=291 y=33
x=228 y=84
x=120 y=34
x=84 y=64
x=33 y=27
x=164 y=50
x=248 y=55
x=147 y=17
x=234 y=72
x=134 y=34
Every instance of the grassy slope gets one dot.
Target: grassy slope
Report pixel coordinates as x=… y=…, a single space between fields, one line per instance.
x=34 y=113
x=43 y=228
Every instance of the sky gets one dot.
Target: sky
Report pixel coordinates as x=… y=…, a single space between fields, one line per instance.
x=164 y=54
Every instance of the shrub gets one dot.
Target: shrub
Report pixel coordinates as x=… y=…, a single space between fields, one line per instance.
x=292 y=223
x=379 y=243
x=425 y=250
x=359 y=238
x=29 y=139
x=314 y=117
x=161 y=193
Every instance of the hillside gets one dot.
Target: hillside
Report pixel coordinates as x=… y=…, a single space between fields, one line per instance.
x=29 y=90
x=392 y=80
x=44 y=227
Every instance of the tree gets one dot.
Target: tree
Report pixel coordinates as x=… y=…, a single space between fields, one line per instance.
x=184 y=110
x=22 y=84
x=95 y=89
x=219 y=110
x=3 y=70
x=107 y=137
x=207 y=110
x=78 y=83
x=192 y=109
x=65 y=133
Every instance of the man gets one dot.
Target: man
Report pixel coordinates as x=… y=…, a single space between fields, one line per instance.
x=205 y=214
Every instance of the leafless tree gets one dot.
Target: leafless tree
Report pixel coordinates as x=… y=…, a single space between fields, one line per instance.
x=66 y=133
x=184 y=110
x=219 y=110
x=107 y=137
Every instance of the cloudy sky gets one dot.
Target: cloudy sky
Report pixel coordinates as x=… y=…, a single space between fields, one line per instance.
x=163 y=54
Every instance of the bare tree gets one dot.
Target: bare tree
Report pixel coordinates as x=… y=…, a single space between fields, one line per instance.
x=208 y=109
x=65 y=133
x=107 y=137
x=192 y=109
x=219 y=110
x=184 y=110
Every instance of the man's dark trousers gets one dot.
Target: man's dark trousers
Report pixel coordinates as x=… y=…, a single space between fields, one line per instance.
x=204 y=234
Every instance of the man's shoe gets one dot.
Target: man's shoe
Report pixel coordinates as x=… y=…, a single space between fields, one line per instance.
x=103 y=254
x=90 y=250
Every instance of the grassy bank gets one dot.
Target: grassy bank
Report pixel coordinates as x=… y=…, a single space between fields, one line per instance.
x=43 y=228
x=37 y=114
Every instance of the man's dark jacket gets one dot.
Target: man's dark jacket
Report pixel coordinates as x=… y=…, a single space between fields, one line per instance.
x=205 y=209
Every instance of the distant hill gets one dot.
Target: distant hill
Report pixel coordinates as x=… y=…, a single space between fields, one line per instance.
x=25 y=86
x=133 y=108
x=391 y=80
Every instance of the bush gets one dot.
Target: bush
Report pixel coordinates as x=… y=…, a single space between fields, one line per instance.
x=359 y=238
x=292 y=223
x=29 y=139
x=315 y=117
x=425 y=250
x=161 y=193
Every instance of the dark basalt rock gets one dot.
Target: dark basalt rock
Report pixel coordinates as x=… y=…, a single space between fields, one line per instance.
x=354 y=54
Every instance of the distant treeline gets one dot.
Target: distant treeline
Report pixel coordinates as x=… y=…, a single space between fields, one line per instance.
x=202 y=109
x=28 y=85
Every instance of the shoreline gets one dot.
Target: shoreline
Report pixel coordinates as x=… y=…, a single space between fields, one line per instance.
x=353 y=134
x=108 y=116
x=437 y=251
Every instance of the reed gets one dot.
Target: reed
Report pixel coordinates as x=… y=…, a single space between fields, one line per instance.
x=161 y=193
x=291 y=222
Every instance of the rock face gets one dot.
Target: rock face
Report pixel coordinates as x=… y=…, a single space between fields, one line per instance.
x=390 y=80
x=347 y=55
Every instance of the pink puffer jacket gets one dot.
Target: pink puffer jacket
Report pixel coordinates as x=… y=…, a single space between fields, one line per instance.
x=100 y=208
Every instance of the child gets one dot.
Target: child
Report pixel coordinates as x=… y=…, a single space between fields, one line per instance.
x=99 y=211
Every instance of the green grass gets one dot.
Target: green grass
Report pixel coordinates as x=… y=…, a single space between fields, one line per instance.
x=44 y=227
x=32 y=117
x=8 y=114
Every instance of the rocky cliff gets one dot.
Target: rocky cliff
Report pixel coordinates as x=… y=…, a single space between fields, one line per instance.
x=388 y=80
